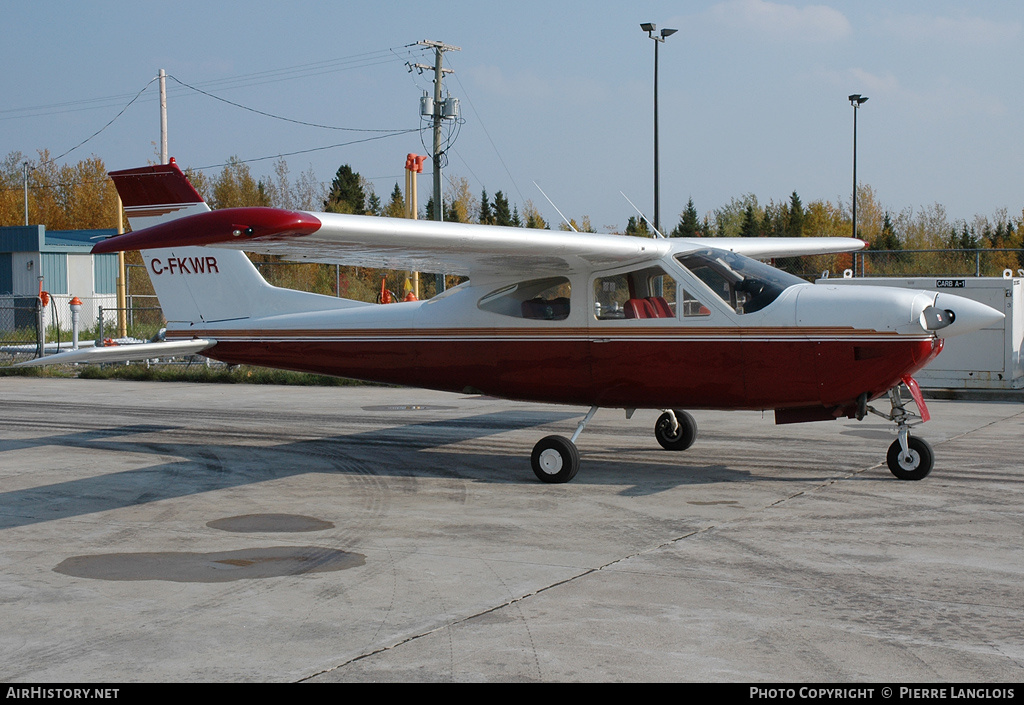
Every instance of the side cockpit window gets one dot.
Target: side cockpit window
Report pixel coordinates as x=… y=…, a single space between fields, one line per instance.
x=643 y=293
x=538 y=299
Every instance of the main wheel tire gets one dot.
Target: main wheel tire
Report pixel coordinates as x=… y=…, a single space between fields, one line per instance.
x=915 y=467
x=555 y=459
x=684 y=436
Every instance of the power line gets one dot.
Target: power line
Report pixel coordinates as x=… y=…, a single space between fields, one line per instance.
x=489 y=138
x=278 y=117
x=312 y=149
x=346 y=63
x=59 y=156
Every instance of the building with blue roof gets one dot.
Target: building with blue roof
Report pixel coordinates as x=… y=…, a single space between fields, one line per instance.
x=64 y=260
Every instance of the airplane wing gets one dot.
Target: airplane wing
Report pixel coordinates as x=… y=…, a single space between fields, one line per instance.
x=391 y=243
x=425 y=245
x=124 y=353
x=396 y=243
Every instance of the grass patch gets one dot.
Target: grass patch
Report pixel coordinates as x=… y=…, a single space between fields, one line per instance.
x=55 y=371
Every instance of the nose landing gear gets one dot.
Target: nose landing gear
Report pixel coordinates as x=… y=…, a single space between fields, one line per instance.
x=909 y=457
x=675 y=430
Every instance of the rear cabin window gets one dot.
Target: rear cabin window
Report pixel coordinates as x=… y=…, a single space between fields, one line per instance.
x=538 y=299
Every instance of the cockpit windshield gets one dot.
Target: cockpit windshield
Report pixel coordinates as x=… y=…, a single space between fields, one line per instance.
x=744 y=283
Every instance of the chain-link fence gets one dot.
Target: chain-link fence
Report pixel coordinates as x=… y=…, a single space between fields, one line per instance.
x=908 y=263
x=939 y=263
x=19 y=330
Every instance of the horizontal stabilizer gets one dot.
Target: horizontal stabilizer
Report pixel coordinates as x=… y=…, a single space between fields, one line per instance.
x=214 y=227
x=124 y=353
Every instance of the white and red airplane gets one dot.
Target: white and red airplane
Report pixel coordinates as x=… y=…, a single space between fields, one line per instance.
x=546 y=316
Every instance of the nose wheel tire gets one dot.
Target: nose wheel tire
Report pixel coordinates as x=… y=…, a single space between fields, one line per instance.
x=912 y=466
x=555 y=459
x=683 y=437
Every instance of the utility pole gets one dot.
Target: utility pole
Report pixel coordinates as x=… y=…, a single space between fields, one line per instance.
x=122 y=292
x=650 y=28
x=24 y=168
x=438 y=110
x=163 y=117
x=856 y=100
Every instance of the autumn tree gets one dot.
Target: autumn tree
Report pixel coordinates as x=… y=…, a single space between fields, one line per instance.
x=461 y=205
x=72 y=196
x=235 y=187
x=533 y=217
x=582 y=226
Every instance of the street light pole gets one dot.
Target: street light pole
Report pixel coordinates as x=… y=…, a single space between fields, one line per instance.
x=659 y=38
x=856 y=100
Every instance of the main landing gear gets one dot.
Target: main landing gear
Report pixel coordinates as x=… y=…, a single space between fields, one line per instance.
x=556 y=459
x=909 y=457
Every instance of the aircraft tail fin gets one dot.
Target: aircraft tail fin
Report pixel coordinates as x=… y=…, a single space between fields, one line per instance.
x=200 y=285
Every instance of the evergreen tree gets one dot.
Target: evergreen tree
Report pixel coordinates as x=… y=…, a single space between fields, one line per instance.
x=373 y=205
x=637 y=228
x=486 y=216
x=887 y=239
x=688 y=223
x=516 y=220
x=796 y=216
x=346 y=194
x=502 y=216
x=396 y=206
x=751 y=227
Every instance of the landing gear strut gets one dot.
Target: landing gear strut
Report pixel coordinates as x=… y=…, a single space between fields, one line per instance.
x=909 y=457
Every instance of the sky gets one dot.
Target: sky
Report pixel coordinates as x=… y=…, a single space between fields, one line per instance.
x=752 y=96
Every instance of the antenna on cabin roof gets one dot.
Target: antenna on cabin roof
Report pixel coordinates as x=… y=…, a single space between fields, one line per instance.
x=656 y=231
x=555 y=207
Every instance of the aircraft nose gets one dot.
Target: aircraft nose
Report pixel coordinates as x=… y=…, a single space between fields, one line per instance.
x=962 y=316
